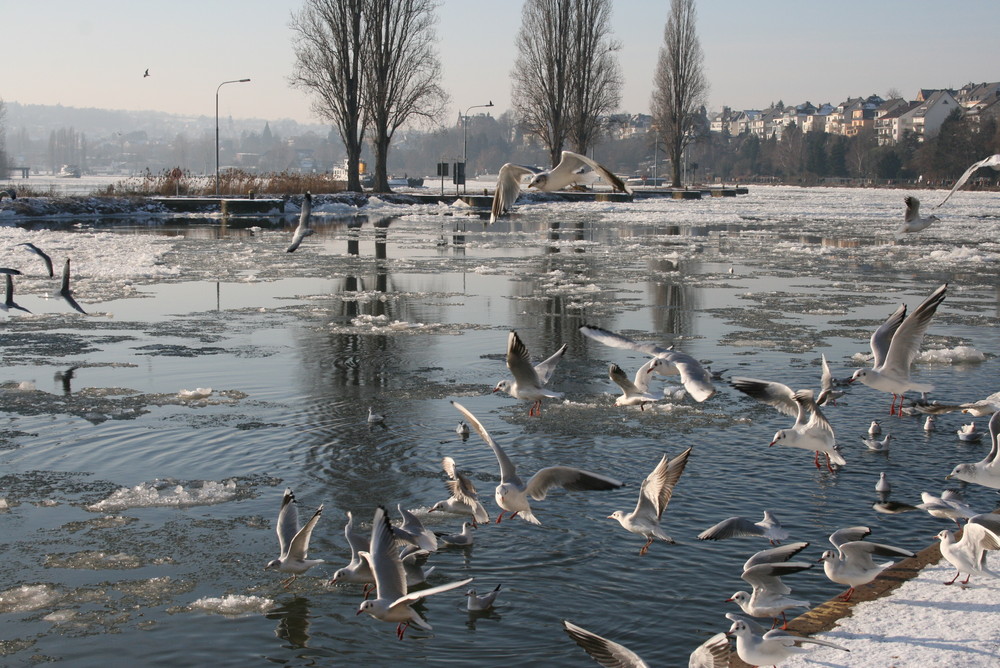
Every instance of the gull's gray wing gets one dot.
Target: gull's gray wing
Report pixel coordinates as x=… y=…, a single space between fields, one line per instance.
x=519 y=362
x=768 y=576
x=775 y=554
x=713 y=653
x=606 y=652
x=545 y=369
x=567 y=477
x=459 y=484
x=40 y=253
x=730 y=528
x=906 y=341
x=882 y=337
x=508 y=188
x=299 y=547
x=354 y=539
x=696 y=380
x=302 y=231
x=776 y=395
x=848 y=534
x=383 y=559
x=414 y=531
x=658 y=487
x=288 y=521
x=825 y=380
x=618 y=341
x=570 y=165
x=992 y=161
x=622 y=380
x=508 y=473
x=912 y=209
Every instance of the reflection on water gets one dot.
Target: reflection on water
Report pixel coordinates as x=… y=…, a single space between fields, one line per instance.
x=402 y=311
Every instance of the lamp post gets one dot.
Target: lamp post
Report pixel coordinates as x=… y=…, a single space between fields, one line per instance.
x=465 y=138
x=217 y=129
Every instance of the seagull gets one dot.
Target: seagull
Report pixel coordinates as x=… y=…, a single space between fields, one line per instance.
x=32 y=248
x=929 y=424
x=146 y=73
x=713 y=653
x=512 y=494
x=811 y=431
x=968 y=555
x=769 y=528
x=654 y=496
x=758 y=648
x=984 y=407
x=9 y=302
x=697 y=381
x=65 y=291
x=392 y=602
x=968 y=433
x=462 y=430
x=373 y=417
x=892 y=507
x=882 y=486
x=769 y=597
x=633 y=392
x=294 y=541
x=303 y=230
x=948 y=506
x=571 y=167
x=463 y=500
x=480 y=602
x=895 y=343
x=912 y=222
x=827 y=395
x=874 y=429
x=992 y=161
x=987 y=471
x=412 y=531
x=357 y=570
x=851 y=563
x=529 y=381
x=877 y=445
x=461 y=539
x=9 y=271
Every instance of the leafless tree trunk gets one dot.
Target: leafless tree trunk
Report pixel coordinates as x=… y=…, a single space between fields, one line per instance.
x=329 y=64
x=403 y=74
x=679 y=85
x=595 y=77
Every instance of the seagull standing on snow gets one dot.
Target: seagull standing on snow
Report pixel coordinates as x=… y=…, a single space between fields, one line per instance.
x=769 y=528
x=294 y=541
x=912 y=222
x=968 y=555
x=572 y=169
x=851 y=563
x=392 y=602
x=529 y=381
x=512 y=493
x=303 y=230
x=654 y=495
x=992 y=161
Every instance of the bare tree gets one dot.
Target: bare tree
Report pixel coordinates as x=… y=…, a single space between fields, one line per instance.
x=403 y=75
x=679 y=85
x=595 y=77
x=541 y=72
x=329 y=64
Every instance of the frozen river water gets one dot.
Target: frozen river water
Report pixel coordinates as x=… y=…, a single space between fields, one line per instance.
x=139 y=522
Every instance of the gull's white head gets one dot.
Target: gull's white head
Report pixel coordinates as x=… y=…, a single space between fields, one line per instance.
x=502 y=386
x=860 y=374
x=274 y=563
x=539 y=181
x=739 y=598
x=779 y=435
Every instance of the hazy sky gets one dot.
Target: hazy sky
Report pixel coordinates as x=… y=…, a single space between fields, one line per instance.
x=92 y=53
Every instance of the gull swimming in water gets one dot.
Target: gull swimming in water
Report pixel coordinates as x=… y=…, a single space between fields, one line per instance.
x=40 y=253
x=876 y=445
x=697 y=381
x=529 y=381
x=895 y=343
x=851 y=563
x=373 y=417
x=480 y=602
x=294 y=541
x=572 y=169
x=985 y=472
x=462 y=430
x=968 y=433
x=464 y=499
x=654 y=496
x=9 y=302
x=769 y=528
x=392 y=601
x=303 y=230
x=760 y=648
x=512 y=493
x=968 y=555
x=882 y=486
x=713 y=653
x=874 y=429
x=462 y=539
x=912 y=222
x=811 y=431
x=992 y=161
x=65 y=292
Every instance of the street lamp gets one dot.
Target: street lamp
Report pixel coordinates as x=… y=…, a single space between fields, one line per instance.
x=465 y=138
x=217 y=129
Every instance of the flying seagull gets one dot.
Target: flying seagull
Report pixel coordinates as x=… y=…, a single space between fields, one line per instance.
x=146 y=74
x=9 y=303
x=529 y=381
x=293 y=540
x=654 y=495
x=303 y=230
x=992 y=161
x=65 y=291
x=912 y=222
x=573 y=168
x=32 y=248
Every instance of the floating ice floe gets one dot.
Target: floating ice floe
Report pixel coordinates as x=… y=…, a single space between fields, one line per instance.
x=28 y=597
x=197 y=393
x=165 y=493
x=234 y=604
x=956 y=355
